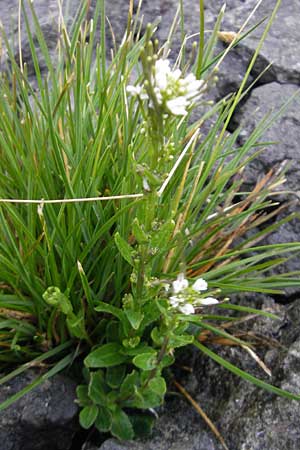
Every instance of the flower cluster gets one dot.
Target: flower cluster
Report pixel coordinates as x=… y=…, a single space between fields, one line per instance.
x=173 y=93
x=186 y=298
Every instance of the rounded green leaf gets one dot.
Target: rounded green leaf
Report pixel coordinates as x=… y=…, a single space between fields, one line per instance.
x=145 y=361
x=97 y=388
x=121 y=426
x=104 y=419
x=115 y=376
x=82 y=395
x=124 y=248
x=135 y=318
x=158 y=385
x=88 y=416
x=107 y=355
x=129 y=384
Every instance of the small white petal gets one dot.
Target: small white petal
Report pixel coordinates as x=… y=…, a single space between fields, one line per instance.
x=180 y=284
x=166 y=287
x=175 y=301
x=177 y=106
x=158 y=95
x=208 y=301
x=200 y=285
x=143 y=96
x=187 y=309
x=134 y=90
x=161 y=81
x=162 y=66
x=190 y=78
x=146 y=185
x=175 y=75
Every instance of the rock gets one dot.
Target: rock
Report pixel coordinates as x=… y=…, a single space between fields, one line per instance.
x=281 y=45
x=248 y=417
x=284 y=132
x=44 y=419
x=256 y=420
x=171 y=439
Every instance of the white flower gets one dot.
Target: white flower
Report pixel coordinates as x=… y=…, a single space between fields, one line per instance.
x=174 y=301
x=162 y=70
x=187 y=308
x=185 y=299
x=137 y=91
x=180 y=284
x=177 y=106
x=191 y=86
x=134 y=90
x=199 y=285
x=173 y=91
x=208 y=301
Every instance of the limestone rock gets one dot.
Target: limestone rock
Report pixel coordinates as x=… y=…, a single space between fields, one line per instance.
x=44 y=419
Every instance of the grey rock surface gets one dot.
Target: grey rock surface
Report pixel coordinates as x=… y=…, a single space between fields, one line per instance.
x=281 y=47
x=44 y=419
x=284 y=132
x=197 y=441
x=284 y=135
x=248 y=417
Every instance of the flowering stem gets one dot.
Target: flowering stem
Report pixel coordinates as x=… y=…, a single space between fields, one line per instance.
x=201 y=41
x=160 y=356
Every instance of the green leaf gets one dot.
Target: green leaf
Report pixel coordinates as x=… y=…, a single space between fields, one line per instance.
x=110 y=309
x=115 y=376
x=161 y=238
x=142 y=424
x=82 y=394
x=150 y=394
x=158 y=385
x=151 y=313
x=247 y=309
x=135 y=318
x=137 y=350
x=130 y=343
x=156 y=336
x=112 y=331
x=97 y=389
x=88 y=416
x=121 y=426
x=146 y=361
x=54 y=297
x=107 y=355
x=124 y=248
x=75 y=324
x=104 y=419
x=167 y=360
x=132 y=380
x=138 y=232
x=163 y=306
x=180 y=341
